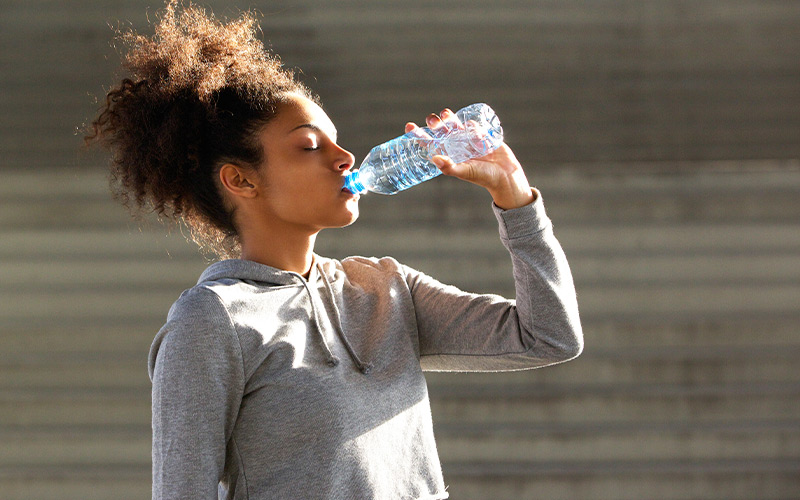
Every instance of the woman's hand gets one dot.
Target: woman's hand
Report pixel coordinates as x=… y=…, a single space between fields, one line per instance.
x=499 y=171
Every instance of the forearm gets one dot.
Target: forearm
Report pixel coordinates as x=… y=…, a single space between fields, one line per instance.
x=545 y=293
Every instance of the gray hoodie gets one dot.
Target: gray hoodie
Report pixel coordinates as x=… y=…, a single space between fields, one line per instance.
x=270 y=386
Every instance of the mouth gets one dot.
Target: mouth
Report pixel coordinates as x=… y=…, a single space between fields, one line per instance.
x=349 y=193
x=346 y=189
x=352 y=184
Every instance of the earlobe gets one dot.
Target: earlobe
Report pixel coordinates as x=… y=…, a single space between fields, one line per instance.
x=237 y=180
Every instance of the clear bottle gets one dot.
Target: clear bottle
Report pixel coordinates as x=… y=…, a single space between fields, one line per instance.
x=405 y=161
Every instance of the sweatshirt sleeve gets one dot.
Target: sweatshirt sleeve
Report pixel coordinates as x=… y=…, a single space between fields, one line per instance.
x=460 y=331
x=196 y=369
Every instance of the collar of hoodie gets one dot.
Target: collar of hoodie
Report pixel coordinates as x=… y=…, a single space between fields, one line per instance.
x=266 y=275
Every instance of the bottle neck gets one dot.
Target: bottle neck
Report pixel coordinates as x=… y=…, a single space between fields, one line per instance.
x=353 y=184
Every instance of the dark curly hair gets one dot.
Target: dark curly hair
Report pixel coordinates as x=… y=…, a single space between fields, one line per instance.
x=197 y=93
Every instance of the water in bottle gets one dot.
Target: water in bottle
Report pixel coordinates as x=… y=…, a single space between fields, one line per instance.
x=405 y=161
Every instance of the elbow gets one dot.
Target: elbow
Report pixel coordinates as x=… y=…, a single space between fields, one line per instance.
x=573 y=347
x=573 y=350
x=573 y=344
x=560 y=346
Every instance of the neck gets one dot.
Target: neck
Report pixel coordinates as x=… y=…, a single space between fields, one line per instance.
x=290 y=252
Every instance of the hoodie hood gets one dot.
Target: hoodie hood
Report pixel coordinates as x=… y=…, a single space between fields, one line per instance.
x=266 y=276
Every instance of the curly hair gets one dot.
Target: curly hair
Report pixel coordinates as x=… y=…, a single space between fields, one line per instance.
x=197 y=93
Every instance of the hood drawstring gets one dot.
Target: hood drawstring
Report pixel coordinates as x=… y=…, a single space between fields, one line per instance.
x=364 y=367
x=337 y=323
x=332 y=359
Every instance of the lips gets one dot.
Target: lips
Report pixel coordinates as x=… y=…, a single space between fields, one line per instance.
x=347 y=191
x=344 y=185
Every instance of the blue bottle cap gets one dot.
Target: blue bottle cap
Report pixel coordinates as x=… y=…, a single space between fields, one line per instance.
x=352 y=184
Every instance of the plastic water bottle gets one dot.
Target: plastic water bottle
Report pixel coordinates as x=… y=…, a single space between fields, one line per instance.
x=405 y=161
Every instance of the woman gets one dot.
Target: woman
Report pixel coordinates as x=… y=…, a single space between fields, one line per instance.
x=284 y=374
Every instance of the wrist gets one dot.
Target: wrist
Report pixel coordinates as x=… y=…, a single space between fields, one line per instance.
x=509 y=200
x=513 y=190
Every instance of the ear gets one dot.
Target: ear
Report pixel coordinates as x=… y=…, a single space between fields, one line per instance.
x=238 y=181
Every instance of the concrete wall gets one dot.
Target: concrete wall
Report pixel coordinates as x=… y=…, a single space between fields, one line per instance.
x=664 y=136
x=574 y=81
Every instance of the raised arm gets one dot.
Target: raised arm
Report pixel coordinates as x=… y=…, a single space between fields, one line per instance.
x=469 y=332
x=463 y=331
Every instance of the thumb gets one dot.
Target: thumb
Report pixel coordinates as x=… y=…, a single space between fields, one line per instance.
x=449 y=167
x=445 y=164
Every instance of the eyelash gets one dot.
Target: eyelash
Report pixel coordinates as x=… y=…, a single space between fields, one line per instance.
x=312 y=149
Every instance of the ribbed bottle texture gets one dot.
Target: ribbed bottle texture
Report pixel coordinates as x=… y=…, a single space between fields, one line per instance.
x=405 y=161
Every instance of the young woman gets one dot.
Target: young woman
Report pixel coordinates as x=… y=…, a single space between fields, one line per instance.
x=284 y=374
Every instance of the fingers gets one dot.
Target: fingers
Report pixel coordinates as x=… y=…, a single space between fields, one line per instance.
x=443 y=123
x=413 y=129
x=437 y=125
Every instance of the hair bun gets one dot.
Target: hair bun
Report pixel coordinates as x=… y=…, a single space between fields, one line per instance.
x=198 y=91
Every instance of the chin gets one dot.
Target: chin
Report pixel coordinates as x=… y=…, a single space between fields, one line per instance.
x=343 y=219
x=353 y=217
x=353 y=212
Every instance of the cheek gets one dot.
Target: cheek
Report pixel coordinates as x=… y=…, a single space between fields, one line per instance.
x=280 y=186
x=295 y=202
x=287 y=181
x=285 y=202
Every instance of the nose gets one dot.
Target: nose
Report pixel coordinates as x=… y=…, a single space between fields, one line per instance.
x=345 y=160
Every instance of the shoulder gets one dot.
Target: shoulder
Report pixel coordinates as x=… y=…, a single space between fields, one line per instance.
x=198 y=322
x=358 y=267
x=204 y=301
x=368 y=273
x=378 y=264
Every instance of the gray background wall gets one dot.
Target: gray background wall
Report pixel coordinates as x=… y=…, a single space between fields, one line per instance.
x=664 y=134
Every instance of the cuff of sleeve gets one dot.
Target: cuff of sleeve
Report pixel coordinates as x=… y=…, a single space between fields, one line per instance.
x=523 y=221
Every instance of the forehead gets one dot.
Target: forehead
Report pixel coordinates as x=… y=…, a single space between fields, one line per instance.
x=298 y=111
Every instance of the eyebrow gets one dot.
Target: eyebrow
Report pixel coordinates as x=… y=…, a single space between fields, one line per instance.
x=312 y=127
x=307 y=125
